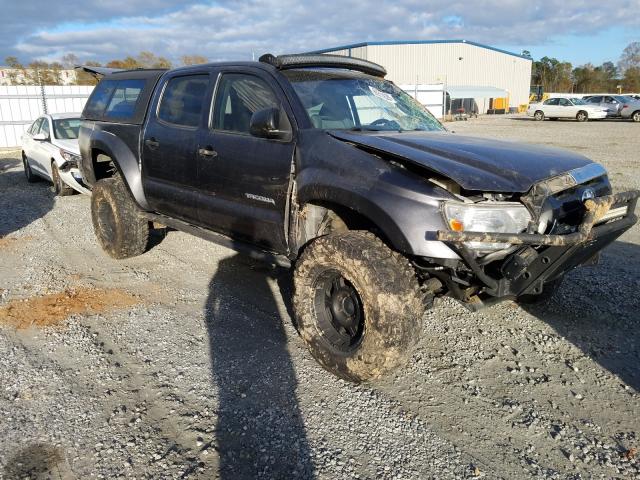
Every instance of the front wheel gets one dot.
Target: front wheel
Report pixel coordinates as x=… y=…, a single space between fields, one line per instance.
x=357 y=305
x=59 y=187
x=635 y=116
x=582 y=116
x=118 y=224
x=539 y=115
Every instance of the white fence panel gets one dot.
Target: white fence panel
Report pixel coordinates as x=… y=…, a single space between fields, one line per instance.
x=21 y=105
x=429 y=95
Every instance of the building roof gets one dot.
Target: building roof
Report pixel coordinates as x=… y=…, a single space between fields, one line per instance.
x=417 y=42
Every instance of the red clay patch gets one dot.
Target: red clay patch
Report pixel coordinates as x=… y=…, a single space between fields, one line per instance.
x=10 y=242
x=49 y=310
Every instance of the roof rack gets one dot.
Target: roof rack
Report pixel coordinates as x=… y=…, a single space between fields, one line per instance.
x=284 y=62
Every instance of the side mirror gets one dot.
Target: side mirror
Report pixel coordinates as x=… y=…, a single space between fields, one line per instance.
x=40 y=137
x=264 y=124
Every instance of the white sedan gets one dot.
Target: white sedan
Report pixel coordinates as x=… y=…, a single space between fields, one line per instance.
x=555 y=107
x=50 y=150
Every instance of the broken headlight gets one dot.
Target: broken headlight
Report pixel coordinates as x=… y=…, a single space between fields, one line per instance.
x=495 y=217
x=71 y=160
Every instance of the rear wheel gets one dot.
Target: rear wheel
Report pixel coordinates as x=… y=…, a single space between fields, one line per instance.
x=357 y=305
x=582 y=116
x=117 y=222
x=59 y=187
x=31 y=177
x=539 y=115
x=635 y=116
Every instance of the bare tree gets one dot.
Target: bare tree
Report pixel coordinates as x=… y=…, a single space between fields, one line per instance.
x=193 y=59
x=630 y=57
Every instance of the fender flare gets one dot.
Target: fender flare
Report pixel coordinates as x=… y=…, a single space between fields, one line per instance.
x=360 y=204
x=125 y=161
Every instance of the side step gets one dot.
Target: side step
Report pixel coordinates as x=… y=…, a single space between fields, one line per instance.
x=239 y=246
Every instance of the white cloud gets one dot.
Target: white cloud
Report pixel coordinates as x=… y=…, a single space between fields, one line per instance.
x=234 y=29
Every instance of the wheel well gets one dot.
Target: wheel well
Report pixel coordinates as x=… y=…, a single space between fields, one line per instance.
x=319 y=218
x=103 y=166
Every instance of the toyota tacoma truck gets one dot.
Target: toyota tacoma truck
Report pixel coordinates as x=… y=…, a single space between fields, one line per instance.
x=318 y=163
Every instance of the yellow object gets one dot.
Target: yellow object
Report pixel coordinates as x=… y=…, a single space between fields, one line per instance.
x=500 y=103
x=456 y=225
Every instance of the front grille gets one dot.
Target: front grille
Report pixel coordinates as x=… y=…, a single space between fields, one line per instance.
x=567 y=207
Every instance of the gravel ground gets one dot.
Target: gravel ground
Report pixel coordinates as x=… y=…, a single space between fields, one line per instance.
x=183 y=362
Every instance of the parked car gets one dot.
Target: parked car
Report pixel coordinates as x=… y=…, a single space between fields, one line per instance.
x=50 y=151
x=554 y=108
x=617 y=106
x=319 y=163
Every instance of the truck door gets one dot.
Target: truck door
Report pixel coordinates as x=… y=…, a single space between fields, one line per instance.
x=244 y=179
x=169 y=144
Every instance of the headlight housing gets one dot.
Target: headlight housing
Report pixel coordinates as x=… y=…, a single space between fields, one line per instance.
x=495 y=217
x=71 y=159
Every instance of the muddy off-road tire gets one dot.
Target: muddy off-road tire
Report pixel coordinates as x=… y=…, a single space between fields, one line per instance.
x=357 y=305
x=548 y=292
x=120 y=228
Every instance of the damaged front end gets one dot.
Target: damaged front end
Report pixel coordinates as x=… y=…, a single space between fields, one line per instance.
x=569 y=219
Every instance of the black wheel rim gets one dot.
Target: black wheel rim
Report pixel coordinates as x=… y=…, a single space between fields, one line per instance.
x=339 y=311
x=106 y=222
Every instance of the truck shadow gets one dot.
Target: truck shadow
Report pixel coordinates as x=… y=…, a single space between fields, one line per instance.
x=21 y=202
x=598 y=309
x=260 y=431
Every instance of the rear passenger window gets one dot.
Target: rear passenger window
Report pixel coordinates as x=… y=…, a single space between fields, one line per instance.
x=182 y=100
x=114 y=99
x=99 y=98
x=123 y=99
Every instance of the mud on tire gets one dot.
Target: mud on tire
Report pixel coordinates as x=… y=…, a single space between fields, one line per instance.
x=387 y=303
x=121 y=231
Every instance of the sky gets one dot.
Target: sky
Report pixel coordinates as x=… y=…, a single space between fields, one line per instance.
x=578 y=31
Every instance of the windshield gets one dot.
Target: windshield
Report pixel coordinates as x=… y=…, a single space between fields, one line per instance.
x=621 y=99
x=66 y=128
x=339 y=100
x=578 y=101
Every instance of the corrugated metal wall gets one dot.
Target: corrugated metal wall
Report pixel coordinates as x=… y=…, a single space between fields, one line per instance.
x=21 y=105
x=452 y=64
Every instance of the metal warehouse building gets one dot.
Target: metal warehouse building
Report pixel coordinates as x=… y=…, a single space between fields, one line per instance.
x=491 y=80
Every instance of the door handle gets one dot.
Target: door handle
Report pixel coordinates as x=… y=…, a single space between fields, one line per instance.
x=207 y=152
x=152 y=143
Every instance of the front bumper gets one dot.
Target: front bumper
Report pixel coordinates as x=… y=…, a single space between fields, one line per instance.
x=528 y=269
x=72 y=178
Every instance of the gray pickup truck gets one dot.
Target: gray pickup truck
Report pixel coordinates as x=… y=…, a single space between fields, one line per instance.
x=318 y=163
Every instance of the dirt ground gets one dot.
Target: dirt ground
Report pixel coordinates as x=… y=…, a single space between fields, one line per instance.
x=183 y=362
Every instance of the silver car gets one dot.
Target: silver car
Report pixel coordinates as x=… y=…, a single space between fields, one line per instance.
x=50 y=150
x=617 y=106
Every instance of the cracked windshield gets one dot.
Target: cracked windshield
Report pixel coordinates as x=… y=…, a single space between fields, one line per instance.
x=346 y=101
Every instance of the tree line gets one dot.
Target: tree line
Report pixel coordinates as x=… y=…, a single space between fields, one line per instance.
x=43 y=73
x=558 y=76
x=554 y=75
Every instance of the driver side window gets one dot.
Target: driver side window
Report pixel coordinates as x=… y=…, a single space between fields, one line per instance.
x=564 y=102
x=238 y=97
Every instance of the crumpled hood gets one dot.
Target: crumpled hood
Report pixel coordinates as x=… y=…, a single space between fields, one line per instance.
x=70 y=145
x=474 y=163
